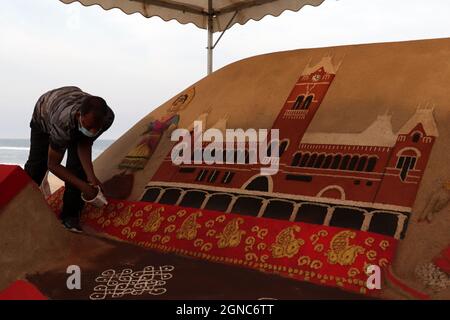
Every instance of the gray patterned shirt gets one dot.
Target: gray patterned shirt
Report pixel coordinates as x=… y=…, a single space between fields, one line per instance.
x=54 y=114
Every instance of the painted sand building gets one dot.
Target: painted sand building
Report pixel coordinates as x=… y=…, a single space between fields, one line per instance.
x=363 y=177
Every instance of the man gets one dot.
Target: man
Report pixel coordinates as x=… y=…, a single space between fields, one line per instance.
x=68 y=118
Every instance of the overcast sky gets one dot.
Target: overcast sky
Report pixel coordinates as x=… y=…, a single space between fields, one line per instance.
x=136 y=63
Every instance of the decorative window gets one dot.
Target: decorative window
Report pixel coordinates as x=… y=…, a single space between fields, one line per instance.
x=213 y=176
x=278 y=209
x=170 y=196
x=296 y=159
x=186 y=170
x=345 y=162
x=336 y=161
x=193 y=199
x=405 y=163
x=227 y=177
x=371 y=164
x=260 y=183
x=283 y=146
x=304 y=160
x=347 y=217
x=353 y=162
x=151 y=194
x=201 y=175
x=361 y=164
x=319 y=161
x=416 y=137
x=307 y=102
x=298 y=102
x=247 y=206
x=311 y=213
x=326 y=164
x=218 y=202
x=312 y=160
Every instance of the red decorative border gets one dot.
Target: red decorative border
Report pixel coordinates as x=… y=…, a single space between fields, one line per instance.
x=320 y=254
x=12 y=180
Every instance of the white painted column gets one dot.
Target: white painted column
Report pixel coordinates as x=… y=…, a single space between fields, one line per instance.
x=366 y=223
x=328 y=216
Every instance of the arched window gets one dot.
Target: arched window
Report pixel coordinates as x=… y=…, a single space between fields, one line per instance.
x=304 y=160
x=383 y=222
x=353 y=162
x=218 y=202
x=307 y=102
x=247 y=206
x=336 y=160
x=193 y=199
x=406 y=161
x=278 y=209
x=170 y=196
x=347 y=217
x=326 y=164
x=260 y=183
x=296 y=159
x=361 y=164
x=345 y=162
x=201 y=175
x=151 y=194
x=319 y=161
x=298 y=102
x=416 y=137
x=371 y=164
x=312 y=160
x=311 y=213
x=283 y=146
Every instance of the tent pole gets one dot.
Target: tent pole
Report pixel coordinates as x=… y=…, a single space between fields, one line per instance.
x=210 y=37
x=210 y=46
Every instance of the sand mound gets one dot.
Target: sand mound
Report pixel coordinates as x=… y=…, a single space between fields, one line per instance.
x=31 y=235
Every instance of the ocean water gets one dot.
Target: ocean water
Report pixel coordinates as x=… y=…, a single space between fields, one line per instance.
x=15 y=151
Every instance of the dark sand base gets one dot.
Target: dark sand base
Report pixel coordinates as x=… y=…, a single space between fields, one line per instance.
x=192 y=279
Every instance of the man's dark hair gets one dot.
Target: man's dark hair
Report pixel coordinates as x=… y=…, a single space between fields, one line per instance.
x=95 y=105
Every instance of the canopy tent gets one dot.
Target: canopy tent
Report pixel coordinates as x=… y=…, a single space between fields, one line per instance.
x=212 y=15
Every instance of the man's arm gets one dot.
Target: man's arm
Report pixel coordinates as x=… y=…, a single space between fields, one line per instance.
x=54 y=165
x=84 y=150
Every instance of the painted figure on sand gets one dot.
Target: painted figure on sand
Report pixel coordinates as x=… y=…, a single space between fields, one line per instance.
x=437 y=202
x=120 y=185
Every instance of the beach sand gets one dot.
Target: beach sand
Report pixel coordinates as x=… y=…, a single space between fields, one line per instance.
x=54 y=182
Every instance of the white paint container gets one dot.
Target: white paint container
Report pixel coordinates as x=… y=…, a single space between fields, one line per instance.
x=99 y=201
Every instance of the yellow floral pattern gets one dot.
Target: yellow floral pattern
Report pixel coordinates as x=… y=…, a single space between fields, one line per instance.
x=231 y=235
x=286 y=244
x=189 y=227
x=341 y=251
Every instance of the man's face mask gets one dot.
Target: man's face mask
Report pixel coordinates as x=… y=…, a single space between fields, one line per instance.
x=85 y=131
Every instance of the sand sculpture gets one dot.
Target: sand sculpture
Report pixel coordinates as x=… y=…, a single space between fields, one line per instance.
x=363 y=145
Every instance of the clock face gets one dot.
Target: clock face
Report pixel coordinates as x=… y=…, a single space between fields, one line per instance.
x=316 y=77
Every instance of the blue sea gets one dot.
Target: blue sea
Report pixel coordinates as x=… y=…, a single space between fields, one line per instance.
x=15 y=151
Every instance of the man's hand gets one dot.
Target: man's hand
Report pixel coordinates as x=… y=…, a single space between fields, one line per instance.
x=89 y=192
x=95 y=182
